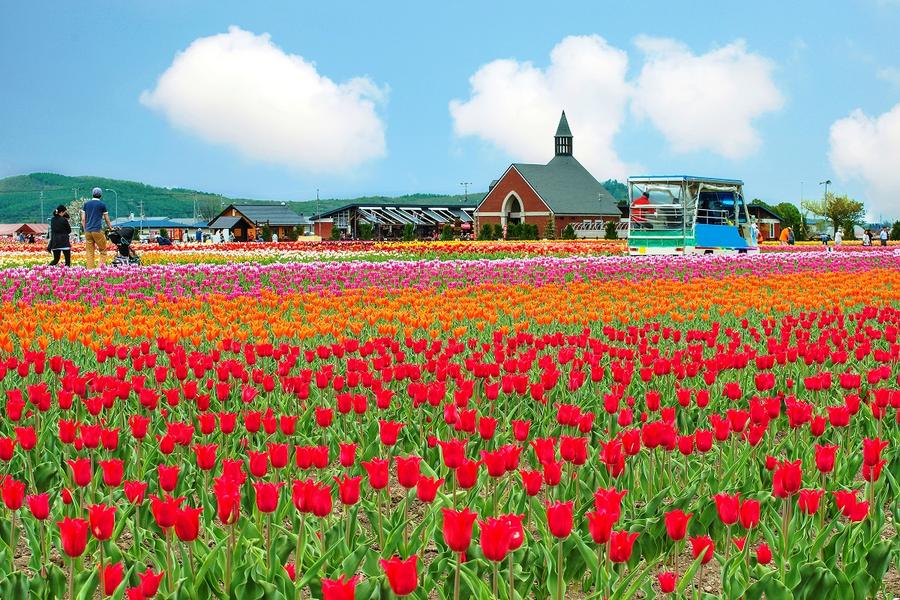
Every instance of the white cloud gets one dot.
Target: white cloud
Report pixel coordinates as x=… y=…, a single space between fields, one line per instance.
x=708 y=101
x=240 y=90
x=889 y=75
x=516 y=105
x=868 y=149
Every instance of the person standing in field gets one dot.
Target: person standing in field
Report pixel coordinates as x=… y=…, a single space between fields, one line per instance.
x=59 y=236
x=838 y=237
x=784 y=238
x=93 y=214
x=883 y=236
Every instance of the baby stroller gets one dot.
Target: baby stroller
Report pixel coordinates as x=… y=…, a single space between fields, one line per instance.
x=121 y=238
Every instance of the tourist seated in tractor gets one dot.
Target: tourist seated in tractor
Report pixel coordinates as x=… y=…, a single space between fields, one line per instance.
x=639 y=214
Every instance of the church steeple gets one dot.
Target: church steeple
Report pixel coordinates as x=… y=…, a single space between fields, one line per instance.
x=563 y=138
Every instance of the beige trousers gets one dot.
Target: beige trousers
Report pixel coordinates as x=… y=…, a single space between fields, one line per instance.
x=94 y=241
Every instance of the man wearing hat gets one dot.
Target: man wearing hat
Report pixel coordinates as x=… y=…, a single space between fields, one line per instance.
x=92 y=216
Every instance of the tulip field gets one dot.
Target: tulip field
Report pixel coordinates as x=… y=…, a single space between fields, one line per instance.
x=458 y=421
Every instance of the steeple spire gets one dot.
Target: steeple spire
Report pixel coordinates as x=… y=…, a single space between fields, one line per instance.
x=563 y=138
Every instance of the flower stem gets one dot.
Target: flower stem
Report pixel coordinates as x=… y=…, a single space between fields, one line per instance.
x=496 y=580
x=71 y=579
x=559 y=571
x=512 y=582
x=456 y=577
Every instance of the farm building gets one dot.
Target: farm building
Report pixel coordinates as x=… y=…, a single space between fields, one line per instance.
x=561 y=190
x=389 y=220
x=246 y=221
x=770 y=223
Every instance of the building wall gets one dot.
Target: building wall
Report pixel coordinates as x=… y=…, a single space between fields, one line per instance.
x=323 y=228
x=536 y=212
x=765 y=220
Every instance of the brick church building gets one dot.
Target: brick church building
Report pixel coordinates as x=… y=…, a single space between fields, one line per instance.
x=562 y=189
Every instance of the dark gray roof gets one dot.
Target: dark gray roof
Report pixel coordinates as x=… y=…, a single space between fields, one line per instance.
x=567 y=187
x=157 y=223
x=274 y=214
x=224 y=222
x=563 y=129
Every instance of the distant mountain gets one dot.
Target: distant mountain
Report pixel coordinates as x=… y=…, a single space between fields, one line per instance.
x=20 y=198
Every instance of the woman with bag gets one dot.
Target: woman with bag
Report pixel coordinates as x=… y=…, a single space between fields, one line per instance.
x=59 y=236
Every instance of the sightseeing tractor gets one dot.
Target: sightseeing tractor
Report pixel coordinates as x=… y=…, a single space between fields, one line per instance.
x=680 y=214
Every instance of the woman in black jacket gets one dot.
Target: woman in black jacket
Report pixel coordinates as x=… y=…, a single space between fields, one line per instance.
x=59 y=236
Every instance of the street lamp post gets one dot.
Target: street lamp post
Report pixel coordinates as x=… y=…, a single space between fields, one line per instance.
x=117 y=201
x=826 y=183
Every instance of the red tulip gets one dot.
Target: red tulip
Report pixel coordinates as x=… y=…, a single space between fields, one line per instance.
x=496 y=536
x=872 y=473
x=134 y=593
x=457 y=528
x=728 y=507
x=81 y=471
x=520 y=430
x=73 y=535
x=187 y=523
x=600 y=524
x=808 y=500
x=427 y=487
x=621 y=544
x=872 y=450
x=609 y=500
x=825 y=458
x=667 y=581
x=517 y=531
x=763 y=554
x=787 y=479
x=102 y=519
x=168 y=477
x=135 y=490
x=150 y=582
x=228 y=499
x=702 y=545
x=559 y=519
x=165 y=510
x=388 y=432
x=39 y=504
x=408 y=470
x=402 y=575
x=348 y=489
x=339 y=589
x=676 y=524
x=467 y=473
x=291 y=570
x=347 y=455
x=111 y=577
x=749 y=516
x=377 y=468
x=206 y=456
x=267 y=496
x=13 y=493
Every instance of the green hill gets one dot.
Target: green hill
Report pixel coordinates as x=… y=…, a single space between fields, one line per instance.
x=20 y=198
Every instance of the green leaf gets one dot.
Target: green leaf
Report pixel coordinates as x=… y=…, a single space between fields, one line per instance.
x=14 y=585
x=86 y=583
x=816 y=582
x=688 y=576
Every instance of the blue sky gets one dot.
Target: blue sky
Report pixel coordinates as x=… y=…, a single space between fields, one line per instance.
x=73 y=75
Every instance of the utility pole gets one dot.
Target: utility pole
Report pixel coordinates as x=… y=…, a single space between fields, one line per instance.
x=318 y=218
x=466 y=185
x=117 y=201
x=42 y=207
